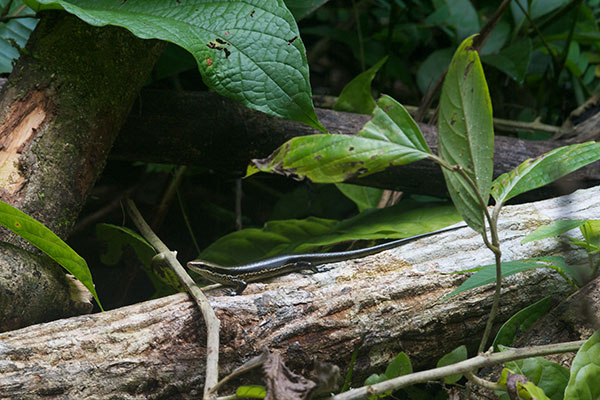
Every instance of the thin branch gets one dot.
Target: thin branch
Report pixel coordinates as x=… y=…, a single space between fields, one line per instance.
x=480 y=361
x=212 y=323
x=482 y=382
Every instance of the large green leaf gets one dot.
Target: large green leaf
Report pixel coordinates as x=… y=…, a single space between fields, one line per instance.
x=312 y=234
x=391 y=137
x=536 y=172
x=247 y=50
x=584 y=383
x=44 y=239
x=466 y=134
x=356 y=96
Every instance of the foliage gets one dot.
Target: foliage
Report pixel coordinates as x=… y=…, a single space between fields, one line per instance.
x=251 y=53
x=584 y=381
x=399 y=366
x=44 y=239
x=547 y=50
x=520 y=322
x=457 y=355
x=466 y=134
x=590 y=230
x=300 y=236
x=14 y=33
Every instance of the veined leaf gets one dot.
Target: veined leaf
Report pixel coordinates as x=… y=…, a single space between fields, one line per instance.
x=356 y=96
x=536 y=172
x=391 y=138
x=44 y=239
x=466 y=134
x=584 y=383
x=251 y=392
x=249 y=50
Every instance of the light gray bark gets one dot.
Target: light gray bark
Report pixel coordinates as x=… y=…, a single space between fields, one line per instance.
x=382 y=304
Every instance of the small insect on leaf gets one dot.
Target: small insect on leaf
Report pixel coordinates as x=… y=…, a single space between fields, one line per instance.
x=252 y=14
x=208 y=61
x=292 y=40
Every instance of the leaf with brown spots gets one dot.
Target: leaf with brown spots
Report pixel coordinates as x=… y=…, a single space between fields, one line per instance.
x=390 y=138
x=466 y=132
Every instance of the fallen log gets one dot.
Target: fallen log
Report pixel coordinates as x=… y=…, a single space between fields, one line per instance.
x=208 y=130
x=380 y=305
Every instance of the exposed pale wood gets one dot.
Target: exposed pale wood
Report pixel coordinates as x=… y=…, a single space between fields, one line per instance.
x=382 y=304
x=205 y=129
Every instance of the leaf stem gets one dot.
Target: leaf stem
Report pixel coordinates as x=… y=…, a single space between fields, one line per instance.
x=494 y=246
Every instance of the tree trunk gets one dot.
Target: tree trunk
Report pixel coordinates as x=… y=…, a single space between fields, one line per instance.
x=60 y=111
x=380 y=305
x=211 y=131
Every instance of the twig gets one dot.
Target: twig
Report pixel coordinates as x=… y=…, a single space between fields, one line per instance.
x=480 y=361
x=212 y=323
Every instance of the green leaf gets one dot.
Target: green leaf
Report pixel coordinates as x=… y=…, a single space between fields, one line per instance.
x=457 y=355
x=117 y=238
x=363 y=196
x=532 y=390
x=311 y=234
x=549 y=376
x=14 y=32
x=399 y=366
x=584 y=382
x=591 y=232
x=466 y=134
x=391 y=137
x=552 y=230
x=44 y=239
x=520 y=322
x=487 y=274
x=251 y=391
x=536 y=172
x=375 y=378
x=432 y=68
x=356 y=96
x=249 y=50
x=512 y=60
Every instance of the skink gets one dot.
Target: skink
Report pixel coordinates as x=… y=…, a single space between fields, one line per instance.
x=239 y=276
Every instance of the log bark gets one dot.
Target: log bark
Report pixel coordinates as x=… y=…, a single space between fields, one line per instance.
x=380 y=305
x=205 y=129
x=60 y=111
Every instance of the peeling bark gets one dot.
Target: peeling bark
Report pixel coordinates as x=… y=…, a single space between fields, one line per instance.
x=382 y=304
